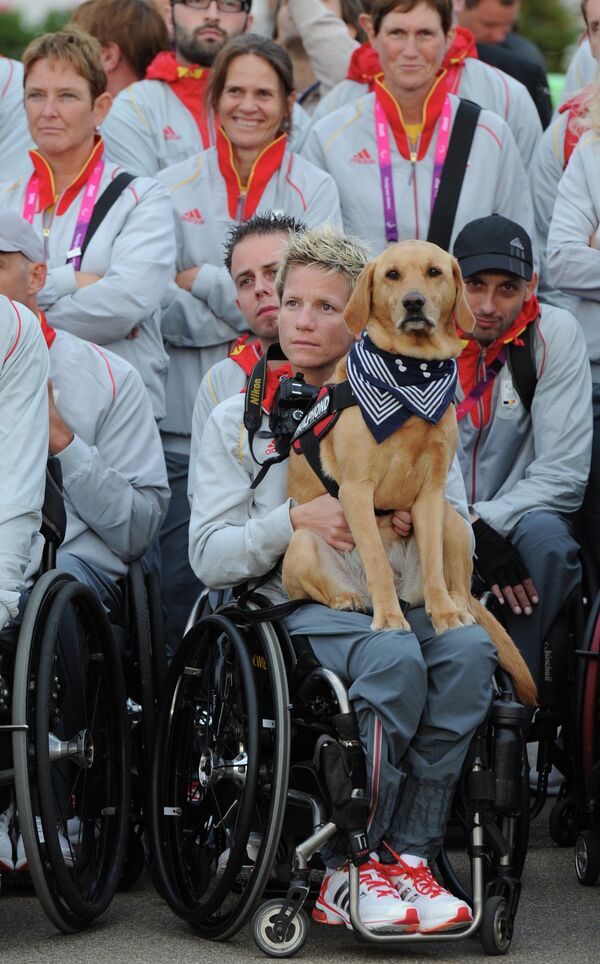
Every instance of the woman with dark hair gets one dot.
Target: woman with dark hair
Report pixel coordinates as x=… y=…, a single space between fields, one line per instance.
x=389 y=151
x=249 y=170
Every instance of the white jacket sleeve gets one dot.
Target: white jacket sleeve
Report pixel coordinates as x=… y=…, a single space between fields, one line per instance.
x=324 y=205
x=545 y=173
x=456 y=495
x=561 y=422
x=118 y=486
x=513 y=193
x=23 y=446
x=128 y=135
x=227 y=544
x=141 y=265
x=325 y=40
x=573 y=265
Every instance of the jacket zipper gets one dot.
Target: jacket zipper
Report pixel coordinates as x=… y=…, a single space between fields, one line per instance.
x=413 y=160
x=240 y=207
x=481 y=374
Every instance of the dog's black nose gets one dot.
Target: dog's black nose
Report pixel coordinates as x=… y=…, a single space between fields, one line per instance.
x=413 y=301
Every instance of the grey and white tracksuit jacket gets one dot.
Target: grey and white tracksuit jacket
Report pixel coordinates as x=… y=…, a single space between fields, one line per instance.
x=23 y=446
x=133 y=251
x=408 y=687
x=345 y=145
x=198 y=326
x=547 y=168
x=15 y=139
x=223 y=380
x=524 y=472
x=148 y=128
x=573 y=258
x=582 y=71
x=114 y=477
x=483 y=84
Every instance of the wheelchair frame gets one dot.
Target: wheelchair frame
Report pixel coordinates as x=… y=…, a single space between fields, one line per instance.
x=281 y=925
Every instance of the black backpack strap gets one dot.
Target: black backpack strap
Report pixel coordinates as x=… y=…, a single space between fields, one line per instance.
x=453 y=174
x=522 y=366
x=104 y=204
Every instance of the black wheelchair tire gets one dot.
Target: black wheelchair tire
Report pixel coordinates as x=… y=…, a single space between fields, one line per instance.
x=562 y=822
x=143 y=643
x=495 y=932
x=296 y=935
x=204 y=916
x=68 y=908
x=587 y=857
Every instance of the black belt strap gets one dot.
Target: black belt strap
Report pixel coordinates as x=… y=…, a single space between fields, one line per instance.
x=104 y=204
x=453 y=174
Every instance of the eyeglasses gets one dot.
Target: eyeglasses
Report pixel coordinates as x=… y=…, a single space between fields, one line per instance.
x=224 y=6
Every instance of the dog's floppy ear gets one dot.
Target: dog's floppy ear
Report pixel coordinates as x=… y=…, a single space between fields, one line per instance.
x=463 y=316
x=358 y=309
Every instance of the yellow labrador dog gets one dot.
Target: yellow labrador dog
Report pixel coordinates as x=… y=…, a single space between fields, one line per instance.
x=407 y=300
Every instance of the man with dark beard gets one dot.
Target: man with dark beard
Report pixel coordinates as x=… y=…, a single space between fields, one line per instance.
x=163 y=119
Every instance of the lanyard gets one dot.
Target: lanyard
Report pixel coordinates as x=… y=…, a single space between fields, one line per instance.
x=84 y=217
x=464 y=407
x=385 y=163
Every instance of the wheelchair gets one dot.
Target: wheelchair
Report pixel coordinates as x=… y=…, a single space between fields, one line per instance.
x=63 y=703
x=240 y=806
x=70 y=748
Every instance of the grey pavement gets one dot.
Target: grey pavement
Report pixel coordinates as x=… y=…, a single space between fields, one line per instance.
x=558 y=921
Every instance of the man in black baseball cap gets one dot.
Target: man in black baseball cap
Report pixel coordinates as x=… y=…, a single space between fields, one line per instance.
x=525 y=428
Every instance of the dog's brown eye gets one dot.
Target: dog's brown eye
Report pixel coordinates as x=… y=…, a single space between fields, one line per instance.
x=433 y=272
x=392 y=275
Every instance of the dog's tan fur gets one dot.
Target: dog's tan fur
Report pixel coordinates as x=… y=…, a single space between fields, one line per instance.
x=406 y=471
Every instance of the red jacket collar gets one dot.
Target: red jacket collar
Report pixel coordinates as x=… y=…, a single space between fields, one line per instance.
x=470 y=357
x=246 y=353
x=47 y=331
x=265 y=165
x=47 y=189
x=432 y=109
x=187 y=83
x=364 y=65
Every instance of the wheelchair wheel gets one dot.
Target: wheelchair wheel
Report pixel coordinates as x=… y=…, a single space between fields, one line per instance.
x=587 y=858
x=495 y=931
x=142 y=652
x=219 y=774
x=562 y=822
x=265 y=938
x=72 y=760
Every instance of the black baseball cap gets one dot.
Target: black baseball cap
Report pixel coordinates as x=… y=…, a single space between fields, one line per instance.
x=494 y=244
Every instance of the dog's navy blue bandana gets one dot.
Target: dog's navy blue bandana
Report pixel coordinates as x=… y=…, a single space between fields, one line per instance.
x=390 y=388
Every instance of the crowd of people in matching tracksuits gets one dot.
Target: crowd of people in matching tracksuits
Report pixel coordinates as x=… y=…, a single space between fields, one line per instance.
x=141 y=147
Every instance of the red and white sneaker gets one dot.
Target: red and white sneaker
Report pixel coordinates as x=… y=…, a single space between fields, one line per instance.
x=381 y=908
x=439 y=910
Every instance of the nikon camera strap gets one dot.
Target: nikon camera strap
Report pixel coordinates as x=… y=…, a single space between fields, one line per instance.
x=255 y=394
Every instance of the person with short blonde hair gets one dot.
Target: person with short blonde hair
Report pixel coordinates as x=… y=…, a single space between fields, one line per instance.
x=328 y=249
x=131 y=32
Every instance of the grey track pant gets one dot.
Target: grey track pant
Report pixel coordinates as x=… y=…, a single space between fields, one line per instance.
x=550 y=553
x=419 y=699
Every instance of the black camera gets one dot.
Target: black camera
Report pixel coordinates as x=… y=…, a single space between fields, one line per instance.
x=291 y=403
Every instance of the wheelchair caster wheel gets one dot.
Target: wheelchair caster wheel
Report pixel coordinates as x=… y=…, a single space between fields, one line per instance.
x=587 y=858
x=265 y=938
x=496 y=929
x=562 y=823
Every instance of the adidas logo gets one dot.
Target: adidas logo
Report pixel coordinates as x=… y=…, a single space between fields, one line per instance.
x=362 y=157
x=170 y=135
x=271 y=449
x=192 y=217
x=517 y=243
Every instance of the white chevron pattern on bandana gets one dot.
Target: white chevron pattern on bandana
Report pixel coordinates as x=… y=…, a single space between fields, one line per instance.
x=389 y=389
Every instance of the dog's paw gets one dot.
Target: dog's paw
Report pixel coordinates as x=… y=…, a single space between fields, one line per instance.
x=452 y=619
x=390 y=620
x=349 y=602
